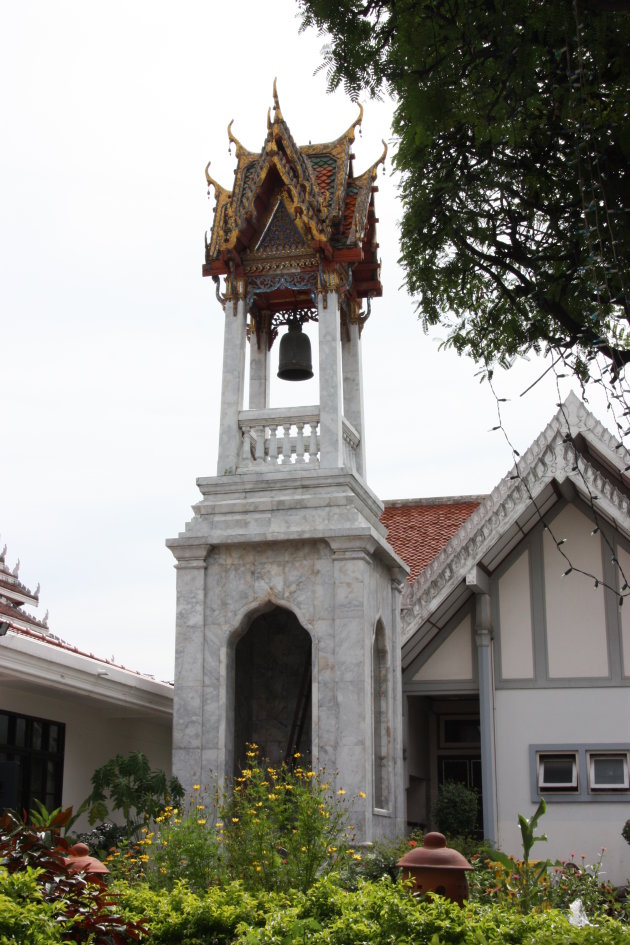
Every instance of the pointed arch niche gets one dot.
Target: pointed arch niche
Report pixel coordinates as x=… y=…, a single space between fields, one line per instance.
x=272 y=688
x=380 y=718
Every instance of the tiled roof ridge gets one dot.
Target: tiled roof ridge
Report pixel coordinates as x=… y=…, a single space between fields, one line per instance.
x=435 y=500
x=13 y=612
x=53 y=640
x=507 y=500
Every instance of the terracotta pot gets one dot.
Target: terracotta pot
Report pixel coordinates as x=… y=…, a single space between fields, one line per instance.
x=436 y=868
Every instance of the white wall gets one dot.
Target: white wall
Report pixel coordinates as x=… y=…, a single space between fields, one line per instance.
x=93 y=736
x=547 y=716
x=576 y=623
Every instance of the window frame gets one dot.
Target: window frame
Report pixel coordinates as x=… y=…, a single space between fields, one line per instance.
x=584 y=793
x=557 y=787
x=592 y=757
x=34 y=762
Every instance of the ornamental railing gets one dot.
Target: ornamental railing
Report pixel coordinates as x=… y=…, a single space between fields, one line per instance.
x=278 y=437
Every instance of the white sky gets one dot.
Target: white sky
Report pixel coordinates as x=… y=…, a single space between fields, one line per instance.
x=111 y=341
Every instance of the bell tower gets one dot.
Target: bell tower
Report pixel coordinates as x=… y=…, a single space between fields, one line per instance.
x=288 y=594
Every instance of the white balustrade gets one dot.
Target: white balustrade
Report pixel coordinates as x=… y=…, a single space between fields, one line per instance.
x=278 y=436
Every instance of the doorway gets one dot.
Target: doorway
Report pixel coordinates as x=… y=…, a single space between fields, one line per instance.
x=273 y=689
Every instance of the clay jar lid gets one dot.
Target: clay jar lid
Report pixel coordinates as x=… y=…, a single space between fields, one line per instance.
x=434 y=855
x=80 y=861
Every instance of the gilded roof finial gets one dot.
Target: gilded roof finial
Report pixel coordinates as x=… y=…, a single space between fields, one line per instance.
x=381 y=160
x=218 y=190
x=276 y=102
x=235 y=141
x=355 y=124
x=269 y=125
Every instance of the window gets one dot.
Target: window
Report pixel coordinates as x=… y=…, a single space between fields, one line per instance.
x=557 y=771
x=31 y=761
x=583 y=774
x=608 y=771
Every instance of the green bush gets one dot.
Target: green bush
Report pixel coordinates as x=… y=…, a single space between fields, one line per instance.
x=181 y=917
x=24 y=915
x=84 y=911
x=277 y=829
x=456 y=809
x=381 y=913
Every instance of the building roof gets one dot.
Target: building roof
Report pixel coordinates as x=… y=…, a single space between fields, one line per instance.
x=298 y=209
x=14 y=595
x=418 y=529
x=22 y=625
x=575 y=456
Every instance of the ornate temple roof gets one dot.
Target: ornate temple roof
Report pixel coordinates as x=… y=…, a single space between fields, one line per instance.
x=14 y=595
x=296 y=208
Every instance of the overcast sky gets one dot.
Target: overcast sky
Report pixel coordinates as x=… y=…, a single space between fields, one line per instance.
x=111 y=340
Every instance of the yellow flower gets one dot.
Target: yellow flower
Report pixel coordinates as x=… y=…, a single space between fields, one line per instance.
x=341 y=791
x=202 y=821
x=196 y=787
x=356 y=857
x=219 y=823
x=258 y=869
x=297 y=755
x=144 y=858
x=310 y=774
x=234 y=820
x=362 y=794
x=200 y=806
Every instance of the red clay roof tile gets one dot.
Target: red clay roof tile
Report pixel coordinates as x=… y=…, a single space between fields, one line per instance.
x=419 y=529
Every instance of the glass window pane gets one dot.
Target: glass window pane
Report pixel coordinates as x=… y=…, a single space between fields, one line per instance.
x=557 y=771
x=20 y=733
x=4 y=729
x=609 y=770
x=36 y=734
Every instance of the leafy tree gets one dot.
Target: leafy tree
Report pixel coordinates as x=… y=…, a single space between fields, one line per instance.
x=513 y=131
x=127 y=783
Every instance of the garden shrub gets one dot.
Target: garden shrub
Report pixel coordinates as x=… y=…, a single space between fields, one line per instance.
x=128 y=784
x=25 y=917
x=277 y=829
x=85 y=911
x=181 y=917
x=455 y=810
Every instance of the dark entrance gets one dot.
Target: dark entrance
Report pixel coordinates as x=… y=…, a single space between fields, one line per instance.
x=273 y=689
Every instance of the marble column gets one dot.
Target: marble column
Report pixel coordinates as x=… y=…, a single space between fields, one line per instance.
x=232 y=390
x=189 y=662
x=352 y=389
x=330 y=386
x=259 y=378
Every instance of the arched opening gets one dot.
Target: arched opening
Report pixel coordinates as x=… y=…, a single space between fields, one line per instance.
x=380 y=718
x=273 y=688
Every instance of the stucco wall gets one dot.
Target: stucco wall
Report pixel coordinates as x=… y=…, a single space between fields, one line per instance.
x=561 y=716
x=93 y=736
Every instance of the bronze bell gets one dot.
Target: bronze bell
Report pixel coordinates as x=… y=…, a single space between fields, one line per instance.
x=295 y=361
